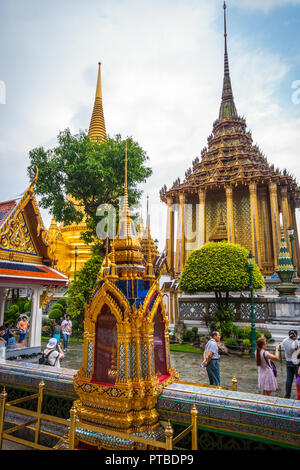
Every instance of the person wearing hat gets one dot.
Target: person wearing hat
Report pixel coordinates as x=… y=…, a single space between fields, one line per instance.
x=290 y=345
x=51 y=354
x=23 y=327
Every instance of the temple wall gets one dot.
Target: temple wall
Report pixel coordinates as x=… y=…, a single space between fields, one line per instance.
x=215 y=203
x=246 y=417
x=242 y=218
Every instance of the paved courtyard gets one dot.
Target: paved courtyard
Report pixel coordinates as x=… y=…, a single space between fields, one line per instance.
x=188 y=366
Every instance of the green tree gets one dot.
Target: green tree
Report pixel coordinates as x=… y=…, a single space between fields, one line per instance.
x=91 y=173
x=220 y=268
x=79 y=292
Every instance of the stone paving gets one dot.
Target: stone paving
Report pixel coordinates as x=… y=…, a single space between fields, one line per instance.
x=188 y=366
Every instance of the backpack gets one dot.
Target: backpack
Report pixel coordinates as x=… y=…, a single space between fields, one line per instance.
x=44 y=359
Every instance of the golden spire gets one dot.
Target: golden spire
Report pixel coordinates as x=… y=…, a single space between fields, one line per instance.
x=97 y=132
x=127 y=246
x=149 y=276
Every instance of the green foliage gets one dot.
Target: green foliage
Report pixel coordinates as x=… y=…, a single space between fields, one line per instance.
x=219 y=267
x=59 y=309
x=231 y=342
x=27 y=305
x=55 y=314
x=195 y=329
x=80 y=291
x=91 y=173
x=223 y=320
x=62 y=301
x=12 y=315
x=246 y=343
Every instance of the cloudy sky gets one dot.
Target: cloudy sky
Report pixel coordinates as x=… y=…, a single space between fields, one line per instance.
x=162 y=72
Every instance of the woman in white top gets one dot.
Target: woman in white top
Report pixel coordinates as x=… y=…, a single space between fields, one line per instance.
x=66 y=328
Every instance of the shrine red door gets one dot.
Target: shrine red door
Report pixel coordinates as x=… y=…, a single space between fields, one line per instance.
x=105 y=366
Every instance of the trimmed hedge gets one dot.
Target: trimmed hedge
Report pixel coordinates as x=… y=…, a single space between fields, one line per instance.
x=219 y=267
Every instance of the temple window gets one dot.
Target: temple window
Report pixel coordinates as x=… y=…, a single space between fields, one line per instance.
x=105 y=370
x=159 y=344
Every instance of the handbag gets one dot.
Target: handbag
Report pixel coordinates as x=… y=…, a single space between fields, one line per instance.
x=271 y=365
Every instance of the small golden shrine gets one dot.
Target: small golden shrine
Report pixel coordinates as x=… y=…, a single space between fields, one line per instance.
x=126 y=358
x=232 y=177
x=65 y=238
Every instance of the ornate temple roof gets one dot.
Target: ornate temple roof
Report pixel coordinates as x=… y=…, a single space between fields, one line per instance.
x=22 y=232
x=97 y=131
x=230 y=157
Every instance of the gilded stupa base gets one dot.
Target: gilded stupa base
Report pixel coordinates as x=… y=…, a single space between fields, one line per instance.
x=128 y=407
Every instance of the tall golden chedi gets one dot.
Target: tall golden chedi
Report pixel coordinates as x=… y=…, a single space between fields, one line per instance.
x=65 y=238
x=126 y=358
x=232 y=193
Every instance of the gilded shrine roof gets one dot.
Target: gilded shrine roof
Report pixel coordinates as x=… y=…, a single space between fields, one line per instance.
x=230 y=158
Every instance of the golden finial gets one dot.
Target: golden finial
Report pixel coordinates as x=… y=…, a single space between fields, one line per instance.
x=97 y=131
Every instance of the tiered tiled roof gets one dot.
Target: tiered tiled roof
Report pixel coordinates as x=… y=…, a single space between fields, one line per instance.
x=230 y=158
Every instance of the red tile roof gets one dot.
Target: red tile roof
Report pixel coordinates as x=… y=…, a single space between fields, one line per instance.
x=36 y=273
x=5 y=209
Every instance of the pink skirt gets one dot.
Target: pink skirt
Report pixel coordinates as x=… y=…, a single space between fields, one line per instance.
x=266 y=379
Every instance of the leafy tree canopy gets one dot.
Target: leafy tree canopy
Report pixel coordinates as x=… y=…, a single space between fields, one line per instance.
x=91 y=173
x=79 y=291
x=220 y=268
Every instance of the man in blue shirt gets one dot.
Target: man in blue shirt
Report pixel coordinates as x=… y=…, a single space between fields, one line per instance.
x=211 y=359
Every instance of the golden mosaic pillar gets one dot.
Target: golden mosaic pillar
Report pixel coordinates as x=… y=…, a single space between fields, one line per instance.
x=202 y=218
x=171 y=307
x=285 y=214
x=296 y=242
x=256 y=249
x=265 y=230
x=230 y=220
x=275 y=221
x=170 y=234
x=182 y=247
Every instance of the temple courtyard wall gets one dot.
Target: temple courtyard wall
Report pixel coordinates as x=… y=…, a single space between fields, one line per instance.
x=227 y=419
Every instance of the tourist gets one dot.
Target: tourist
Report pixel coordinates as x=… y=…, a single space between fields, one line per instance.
x=11 y=342
x=51 y=357
x=290 y=345
x=211 y=359
x=23 y=327
x=267 y=382
x=3 y=336
x=57 y=331
x=66 y=328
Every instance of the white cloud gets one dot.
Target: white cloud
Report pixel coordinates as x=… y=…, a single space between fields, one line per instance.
x=162 y=66
x=265 y=5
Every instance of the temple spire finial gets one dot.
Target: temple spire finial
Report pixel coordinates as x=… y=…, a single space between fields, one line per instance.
x=227 y=109
x=97 y=131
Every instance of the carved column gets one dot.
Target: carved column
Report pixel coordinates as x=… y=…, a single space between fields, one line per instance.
x=182 y=248
x=176 y=306
x=256 y=248
x=275 y=221
x=230 y=221
x=170 y=234
x=36 y=318
x=285 y=214
x=266 y=226
x=202 y=219
x=2 y=302
x=171 y=305
x=296 y=242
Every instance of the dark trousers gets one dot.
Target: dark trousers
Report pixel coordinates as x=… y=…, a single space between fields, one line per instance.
x=213 y=372
x=291 y=372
